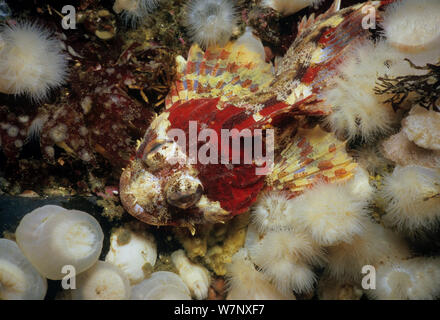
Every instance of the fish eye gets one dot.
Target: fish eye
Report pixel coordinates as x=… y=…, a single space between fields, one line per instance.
x=155 y=147
x=155 y=153
x=183 y=190
x=160 y=151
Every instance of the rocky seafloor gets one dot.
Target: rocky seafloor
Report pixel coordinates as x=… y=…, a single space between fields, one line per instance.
x=69 y=146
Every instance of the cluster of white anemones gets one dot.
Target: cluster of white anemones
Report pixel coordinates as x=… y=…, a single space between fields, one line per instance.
x=411 y=194
x=329 y=227
x=50 y=238
x=411 y=31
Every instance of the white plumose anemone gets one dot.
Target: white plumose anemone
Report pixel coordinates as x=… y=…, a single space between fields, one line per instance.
x=210 y=22
x=371 y=159
x=272 y=211
x=133 y=11
x=285 y=257
x=103 y=281
x=162 y=285
x=244 y=281
x=288 y=7
x=411 y=25
x=412 y=198
x=357 y=110
x=195 y=276
x=413 y=279
x=132 y=251
x=52 y=237
x=19 y=280
x=376 y=245
x=332 y=213
x=31 y=61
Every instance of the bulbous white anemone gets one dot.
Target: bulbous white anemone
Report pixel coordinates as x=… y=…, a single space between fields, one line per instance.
x=132 y=251
x=288 y=7
x=411 y=25
x=210 y=22
x=19 y=280
x=195 y=276
x=162 y=285
x=412 y=198
x=244 y=281
x=132 y=11
x=31 y=61
x=52 y=237
x=103 y=281
x=413 y=279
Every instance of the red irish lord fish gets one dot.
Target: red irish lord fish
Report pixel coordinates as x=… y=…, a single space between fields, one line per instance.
x=232 y=88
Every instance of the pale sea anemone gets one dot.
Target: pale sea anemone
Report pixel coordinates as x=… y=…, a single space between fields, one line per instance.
x=19 y=280
x=412 y=25
x=374 y=246
x=243 y=280
x=52 y=237
x=286 y=258
x=272 y=211
x=413 y=279
x=331 y=213
x=162 y=285
x=412 y=198
x=133 y=11
x=357 y=110
x=210 y=22
x=103 y=281
x=132 y=251
x=31 y=61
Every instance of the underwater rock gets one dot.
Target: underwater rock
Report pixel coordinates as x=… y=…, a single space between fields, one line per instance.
x=14 y=130
x=422 y=127
x=399 y=149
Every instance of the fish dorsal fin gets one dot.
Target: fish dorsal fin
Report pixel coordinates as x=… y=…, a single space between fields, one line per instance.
x=312 y=156
x=307 y=22
x=225 y=72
